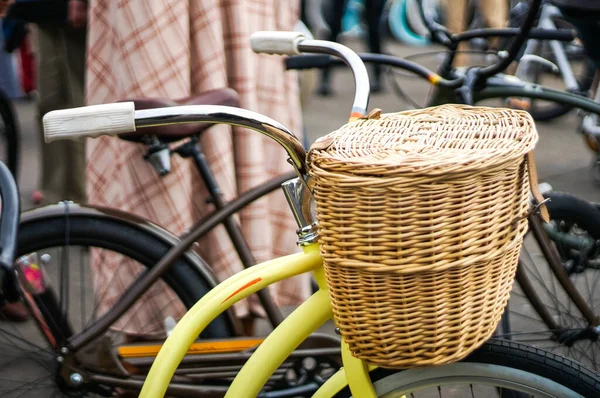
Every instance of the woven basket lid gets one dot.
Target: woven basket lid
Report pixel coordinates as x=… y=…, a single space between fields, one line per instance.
x=432 y=141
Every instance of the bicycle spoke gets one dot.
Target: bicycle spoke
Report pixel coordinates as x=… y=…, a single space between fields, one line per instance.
x=526 y=316
x=14 y=359
x=65 y=282
x=26 y=341
x=28 y=353
x=82 y=286
x=28 y=386
x=61 y=279
x=537 y=276
x=157 y=315
x=99 y=298
x=32 y=357
x=20 y=388
x=592 y=289
x=551 y=294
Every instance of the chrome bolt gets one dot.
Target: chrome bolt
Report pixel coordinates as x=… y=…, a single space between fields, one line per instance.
x=75 y=379
x=64 y=350
x=60 y=359
x=338 y=331
x=45 y=258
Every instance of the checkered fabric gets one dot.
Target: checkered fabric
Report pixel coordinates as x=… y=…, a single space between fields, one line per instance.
x=175 y=49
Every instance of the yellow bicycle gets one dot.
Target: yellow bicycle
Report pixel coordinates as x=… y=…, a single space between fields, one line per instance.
x=494 y=369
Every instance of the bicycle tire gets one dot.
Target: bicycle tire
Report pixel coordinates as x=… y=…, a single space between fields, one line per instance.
x=11 y=134
x=131 y=241
x=507 y=362
x=565 y=206
x=400 y=27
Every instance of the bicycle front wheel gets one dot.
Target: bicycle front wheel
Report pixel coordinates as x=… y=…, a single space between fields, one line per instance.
x=497 y=369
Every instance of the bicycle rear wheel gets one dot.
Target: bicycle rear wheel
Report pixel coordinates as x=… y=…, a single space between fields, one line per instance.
x=31 y=351
x=497 y=369
x=567 y=332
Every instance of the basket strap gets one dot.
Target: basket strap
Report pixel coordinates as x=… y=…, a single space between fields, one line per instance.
x=535 y=190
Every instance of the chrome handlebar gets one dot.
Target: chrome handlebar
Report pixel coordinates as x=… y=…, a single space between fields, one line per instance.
x=231 y=116
x=293 y=43
x=359 y=70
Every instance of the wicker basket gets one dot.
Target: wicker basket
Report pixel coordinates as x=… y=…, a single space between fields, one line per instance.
x=421 y=218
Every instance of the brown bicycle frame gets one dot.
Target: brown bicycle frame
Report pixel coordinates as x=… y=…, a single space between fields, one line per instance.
x=147 y=279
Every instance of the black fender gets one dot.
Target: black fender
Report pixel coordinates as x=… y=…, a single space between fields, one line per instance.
x=99 y=212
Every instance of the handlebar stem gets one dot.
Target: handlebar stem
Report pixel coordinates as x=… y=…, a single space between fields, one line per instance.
x=472 y=79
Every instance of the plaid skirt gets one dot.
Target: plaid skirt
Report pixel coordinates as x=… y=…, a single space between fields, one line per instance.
x=175 y=49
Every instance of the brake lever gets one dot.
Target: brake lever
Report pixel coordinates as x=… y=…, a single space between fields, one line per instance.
x=528 y=58
x=465 y=91
x=443 y=37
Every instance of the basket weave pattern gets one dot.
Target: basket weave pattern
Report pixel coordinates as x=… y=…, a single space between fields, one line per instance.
x=421 y=219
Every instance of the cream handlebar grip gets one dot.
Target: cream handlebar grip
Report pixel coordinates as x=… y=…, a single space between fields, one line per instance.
x=273 y=42
x=89 y=121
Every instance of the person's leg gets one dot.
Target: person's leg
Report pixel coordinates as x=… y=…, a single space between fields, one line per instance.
x=27 y=69
x=495 y=14
x=588 y=30
x=49 y=98
x=373 y=12
x=60 y=69
x=456 y=22
x=75 y=43
x=9 y=82
x=335 y=25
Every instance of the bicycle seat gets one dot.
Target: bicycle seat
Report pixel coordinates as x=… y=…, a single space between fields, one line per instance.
x=222 y=96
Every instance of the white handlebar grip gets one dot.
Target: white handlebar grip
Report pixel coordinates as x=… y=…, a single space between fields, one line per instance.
x=89 y=121
x=272 y=42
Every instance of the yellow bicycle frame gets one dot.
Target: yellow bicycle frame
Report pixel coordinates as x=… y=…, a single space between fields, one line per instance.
x=277 y=346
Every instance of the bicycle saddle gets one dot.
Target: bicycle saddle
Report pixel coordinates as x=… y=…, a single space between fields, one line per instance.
x=222 y=96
